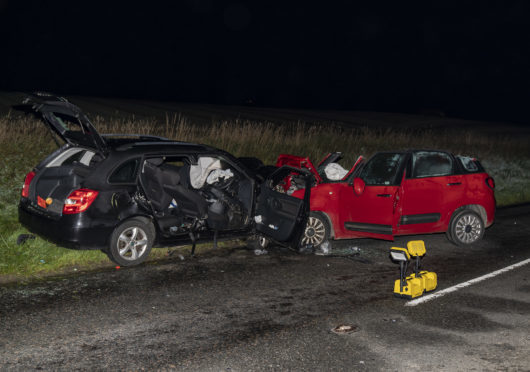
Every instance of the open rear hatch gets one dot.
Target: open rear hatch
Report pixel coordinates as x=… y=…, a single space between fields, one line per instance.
x=65 y=120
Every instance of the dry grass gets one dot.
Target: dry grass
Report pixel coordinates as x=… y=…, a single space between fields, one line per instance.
x=266 y=140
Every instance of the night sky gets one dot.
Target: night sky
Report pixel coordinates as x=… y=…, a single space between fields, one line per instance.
x=465 y=59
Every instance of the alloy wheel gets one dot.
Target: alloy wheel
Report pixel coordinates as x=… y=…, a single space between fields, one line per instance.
x=314 y=233
x=132 y=243
x=468 y=228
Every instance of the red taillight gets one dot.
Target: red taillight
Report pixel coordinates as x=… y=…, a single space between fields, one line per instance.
x=79 y=200
x=27 y=182
x=490 y=182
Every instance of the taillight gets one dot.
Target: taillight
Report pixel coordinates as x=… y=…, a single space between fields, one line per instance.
x=27 y=182
x=79 y=200
x=490 y=182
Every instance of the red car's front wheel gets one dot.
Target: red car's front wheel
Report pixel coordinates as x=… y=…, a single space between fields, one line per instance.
x=317 y=230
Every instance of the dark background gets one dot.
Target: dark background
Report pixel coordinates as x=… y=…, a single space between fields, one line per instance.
x=465 y=59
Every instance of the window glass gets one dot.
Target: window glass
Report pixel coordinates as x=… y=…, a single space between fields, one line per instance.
x=68 y=122
x=468 y=163
x=125 y=173
x=382 y=169
x=431 y=164
x=73 y=156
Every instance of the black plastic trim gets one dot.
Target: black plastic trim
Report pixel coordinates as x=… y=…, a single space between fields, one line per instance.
x=420 y=218
x=369 y=227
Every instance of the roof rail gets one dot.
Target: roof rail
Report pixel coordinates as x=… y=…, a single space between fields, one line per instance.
x=141 y=137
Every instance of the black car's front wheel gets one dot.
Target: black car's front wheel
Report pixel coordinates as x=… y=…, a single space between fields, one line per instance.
x=131 y=242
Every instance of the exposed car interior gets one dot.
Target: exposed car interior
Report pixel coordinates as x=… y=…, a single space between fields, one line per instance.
x=187 y=197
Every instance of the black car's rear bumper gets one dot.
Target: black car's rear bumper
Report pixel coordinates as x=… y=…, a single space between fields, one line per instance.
x=69 y=231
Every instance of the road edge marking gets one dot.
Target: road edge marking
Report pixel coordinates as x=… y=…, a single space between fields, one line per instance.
x=455 y=288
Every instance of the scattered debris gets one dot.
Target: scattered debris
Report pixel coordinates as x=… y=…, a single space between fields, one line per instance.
x=306 y=249
x=392 y=320
x=22 y=238
x=259 y=252
x=324 y=249
x=181 y=257
x=42 y=261
x=118 y=267
x=347 y=251
x=344 y=329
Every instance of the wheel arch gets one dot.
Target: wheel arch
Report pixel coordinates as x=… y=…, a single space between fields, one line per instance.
x=326 y=216
x=477 y=208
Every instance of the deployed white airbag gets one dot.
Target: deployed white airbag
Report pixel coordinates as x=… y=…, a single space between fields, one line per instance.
x=199 y=172
x=334 y=172
x=216 y=174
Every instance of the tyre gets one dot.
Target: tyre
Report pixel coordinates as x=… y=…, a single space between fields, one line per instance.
x=466 y=228
x=131 y=242
x=317 y=230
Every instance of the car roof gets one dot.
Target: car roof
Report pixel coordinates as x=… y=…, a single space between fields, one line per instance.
x=410 y=151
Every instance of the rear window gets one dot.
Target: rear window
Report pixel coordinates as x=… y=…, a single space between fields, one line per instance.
x=468 y=163
x=68 y=122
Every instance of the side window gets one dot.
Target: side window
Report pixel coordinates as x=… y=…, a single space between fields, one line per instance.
x=431 y=164
x=126 y=172
x=74 y=156
x=382 y=169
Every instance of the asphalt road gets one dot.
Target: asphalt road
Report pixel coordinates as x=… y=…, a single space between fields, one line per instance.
x=231 y=310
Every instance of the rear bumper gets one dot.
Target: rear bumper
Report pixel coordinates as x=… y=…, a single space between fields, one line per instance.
x=69 y=231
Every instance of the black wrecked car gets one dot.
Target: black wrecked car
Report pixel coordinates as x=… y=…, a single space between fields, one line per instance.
x=124 y=194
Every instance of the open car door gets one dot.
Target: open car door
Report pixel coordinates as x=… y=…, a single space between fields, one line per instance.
x=279 y=216
x=64 y=119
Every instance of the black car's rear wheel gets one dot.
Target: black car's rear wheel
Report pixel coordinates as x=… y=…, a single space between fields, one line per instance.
x=131 y=242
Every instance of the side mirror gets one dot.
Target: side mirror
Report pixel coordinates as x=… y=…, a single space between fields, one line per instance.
x=358 y=185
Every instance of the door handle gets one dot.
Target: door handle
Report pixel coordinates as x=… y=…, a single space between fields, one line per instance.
x=454 y=183
x=384 y=195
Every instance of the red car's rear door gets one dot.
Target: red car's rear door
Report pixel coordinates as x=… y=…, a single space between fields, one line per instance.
x=430 y=193
x=376 y=196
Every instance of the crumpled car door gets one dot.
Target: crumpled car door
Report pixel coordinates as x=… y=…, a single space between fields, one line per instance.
x=279 y=216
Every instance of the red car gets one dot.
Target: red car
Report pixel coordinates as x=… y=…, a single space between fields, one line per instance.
x=396 y=193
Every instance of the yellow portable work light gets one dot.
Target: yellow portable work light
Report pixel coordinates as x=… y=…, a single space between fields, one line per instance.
x=418 y=282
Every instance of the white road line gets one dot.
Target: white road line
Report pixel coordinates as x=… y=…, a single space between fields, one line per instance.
x=465 y=284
